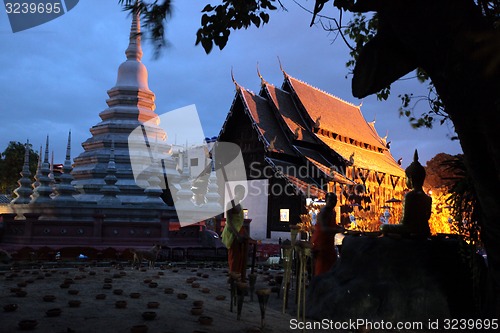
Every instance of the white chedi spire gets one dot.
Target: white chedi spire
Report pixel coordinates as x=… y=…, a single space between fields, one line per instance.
x=24 y=191
x=134 y=50
x=132 y=73
x=64 y=189
x=38 y=173
x=110 y=190
x=213 y=197
x=184 y=195
x=42 y=192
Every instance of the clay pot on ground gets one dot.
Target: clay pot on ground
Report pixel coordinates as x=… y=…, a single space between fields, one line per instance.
x=205 y=320
x=220 y=297
x=56 y=312
x=139 y=329
x=153 y=305
x=149 y=315
x=196 y=311
x=118 y=291
x=100 y=296
x=205 y=290
x=198 y=304
x=195 y=285
x=74 y=303
x=153 y=285
x=49 y=298
x=64 y=285
x=146 y=281
x=135 y=295
x=182 y=296
x=10 y=307
x=121 y=304
x=169 y=290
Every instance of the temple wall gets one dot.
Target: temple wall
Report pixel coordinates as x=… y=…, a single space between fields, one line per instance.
x=103 y=230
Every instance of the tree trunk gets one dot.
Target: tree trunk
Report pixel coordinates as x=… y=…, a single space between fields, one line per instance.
x=452 y=41
x=475 y=113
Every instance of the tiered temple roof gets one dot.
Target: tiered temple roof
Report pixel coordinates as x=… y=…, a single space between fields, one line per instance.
x=304 y=127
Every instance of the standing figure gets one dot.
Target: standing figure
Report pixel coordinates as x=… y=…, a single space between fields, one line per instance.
x=234 y=235
x=417 y=205
x=323 y=238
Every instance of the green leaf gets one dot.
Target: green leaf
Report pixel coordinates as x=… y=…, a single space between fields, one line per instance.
x=204 y=20
x=264 y=17
x=255 y=20
x=208 y=8
x=207 y=45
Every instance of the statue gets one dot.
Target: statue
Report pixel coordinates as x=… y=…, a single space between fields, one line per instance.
x=416 y=205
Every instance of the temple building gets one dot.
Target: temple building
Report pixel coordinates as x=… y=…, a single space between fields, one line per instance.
x=113 y=195
x=299 y=142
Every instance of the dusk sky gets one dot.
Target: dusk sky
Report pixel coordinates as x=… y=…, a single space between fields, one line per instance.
x=55 y=76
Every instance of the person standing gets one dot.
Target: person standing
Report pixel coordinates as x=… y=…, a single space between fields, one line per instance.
x=234 y=236
x=325 y=254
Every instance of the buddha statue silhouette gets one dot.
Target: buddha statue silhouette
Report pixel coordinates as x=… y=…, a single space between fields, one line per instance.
x=416 y=204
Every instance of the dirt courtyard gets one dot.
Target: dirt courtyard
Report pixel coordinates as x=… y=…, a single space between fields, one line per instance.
x=27 y=287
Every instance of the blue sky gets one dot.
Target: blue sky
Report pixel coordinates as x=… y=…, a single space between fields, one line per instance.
x=54 y=77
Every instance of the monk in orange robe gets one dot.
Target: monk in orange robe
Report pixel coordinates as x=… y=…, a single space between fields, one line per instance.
x=234 y=235
x=325 y=254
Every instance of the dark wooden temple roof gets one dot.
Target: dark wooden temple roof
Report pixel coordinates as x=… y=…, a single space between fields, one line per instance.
x=302 y=126
x=283 y=103
x=265 y=122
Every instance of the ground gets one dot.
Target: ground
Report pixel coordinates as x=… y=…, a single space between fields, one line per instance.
x=173 y=314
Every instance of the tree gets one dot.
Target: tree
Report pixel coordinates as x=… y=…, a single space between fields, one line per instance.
x=11 y=163
x=439 y=174
x=454 y=43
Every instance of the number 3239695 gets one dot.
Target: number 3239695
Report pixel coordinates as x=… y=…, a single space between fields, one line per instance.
x=32 y=8
x=470 y=324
